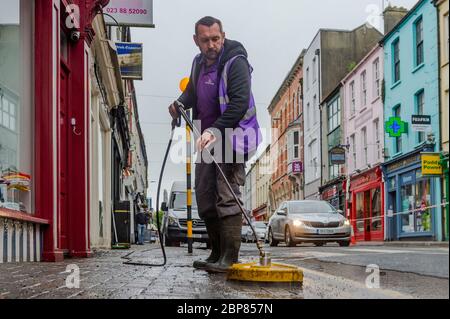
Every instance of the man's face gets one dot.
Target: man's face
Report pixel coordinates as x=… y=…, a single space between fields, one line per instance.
x=210 y=41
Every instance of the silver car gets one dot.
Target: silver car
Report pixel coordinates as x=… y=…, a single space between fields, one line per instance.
x=308 y=221
x=260 y=229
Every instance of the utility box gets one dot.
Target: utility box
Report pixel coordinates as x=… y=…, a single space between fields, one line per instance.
x=121 y=234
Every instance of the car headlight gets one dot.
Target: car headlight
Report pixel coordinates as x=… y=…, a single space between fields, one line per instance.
x=298 y=223
x=345 y=223
x=173 y=221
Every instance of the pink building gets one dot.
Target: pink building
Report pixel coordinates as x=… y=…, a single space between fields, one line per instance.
x=363 y=132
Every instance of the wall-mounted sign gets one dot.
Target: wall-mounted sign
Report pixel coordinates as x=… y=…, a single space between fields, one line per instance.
x=130 y=60
x=421 y=123
x=131 y=13
x=337 y=156
x=297 y=167
x=395 y=127
x=431 y=164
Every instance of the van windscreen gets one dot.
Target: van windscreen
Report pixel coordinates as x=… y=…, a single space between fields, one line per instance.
x=179 y=201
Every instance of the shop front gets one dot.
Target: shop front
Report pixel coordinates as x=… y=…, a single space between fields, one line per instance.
x=261 y=213
x=366 y=205
x=334 y=193
x=413 y=200
x=445 y=185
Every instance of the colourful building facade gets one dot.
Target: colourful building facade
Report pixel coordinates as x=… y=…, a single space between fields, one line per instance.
x=413 y=200
x=363 y=135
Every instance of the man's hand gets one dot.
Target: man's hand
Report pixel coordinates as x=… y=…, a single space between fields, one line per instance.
x=173 y=110
x=205 y=140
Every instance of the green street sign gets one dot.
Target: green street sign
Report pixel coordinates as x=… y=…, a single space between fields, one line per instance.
x=395 y=127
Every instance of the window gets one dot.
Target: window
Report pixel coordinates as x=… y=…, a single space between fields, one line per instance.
x=420 y=105
x=314 y=70
x=296 y=144
x=308 y=115
x=316 y=167
x=16 y=124
x=307 y=78
x=352 y=97
x=314 y=109
x=415 y=196
x=353 y=146
x=398 y=140
x=418 y=27
x=376 y=78
x=334 y=115
x=364 y=144
x=376 y=222
x=294 y=107
x=376 y=129
x=396 y=60
x=363 y=89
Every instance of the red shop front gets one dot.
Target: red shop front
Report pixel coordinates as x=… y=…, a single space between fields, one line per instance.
x=62 y=104
x=366 y=205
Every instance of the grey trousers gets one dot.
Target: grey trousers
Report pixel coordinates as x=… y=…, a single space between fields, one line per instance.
x=214 y=199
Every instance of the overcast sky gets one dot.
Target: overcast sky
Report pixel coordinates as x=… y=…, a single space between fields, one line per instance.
x=273 y=31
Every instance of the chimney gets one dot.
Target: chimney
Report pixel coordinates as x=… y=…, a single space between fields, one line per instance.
x=392 y=16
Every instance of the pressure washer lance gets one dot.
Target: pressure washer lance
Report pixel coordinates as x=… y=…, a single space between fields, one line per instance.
x=264 y=258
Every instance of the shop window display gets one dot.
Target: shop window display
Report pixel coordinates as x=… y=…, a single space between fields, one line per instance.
x=416 y=200
x=360 y=211
x=376 y=223
x=15 y=105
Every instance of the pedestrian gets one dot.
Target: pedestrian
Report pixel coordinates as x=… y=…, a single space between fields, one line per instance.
x=142 y=221
x=219 y=93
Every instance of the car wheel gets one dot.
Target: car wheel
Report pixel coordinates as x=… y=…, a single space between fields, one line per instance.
x=272 y=241
x=344 y=243
x=319 y=244
x=288 y=237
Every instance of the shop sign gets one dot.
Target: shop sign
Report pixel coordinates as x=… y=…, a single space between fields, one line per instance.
x=337 y=156
x=130 y=60
x=330 y=193
x=364 y=179
x=130 y=13
x=395 y=127
x=421 y=123
x=431 y=164
x=403 y=163
x=297 y=167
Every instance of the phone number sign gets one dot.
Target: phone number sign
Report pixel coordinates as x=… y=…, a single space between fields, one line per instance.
x=131 y=13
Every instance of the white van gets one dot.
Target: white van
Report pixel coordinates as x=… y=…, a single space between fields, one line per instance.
x=175 y=218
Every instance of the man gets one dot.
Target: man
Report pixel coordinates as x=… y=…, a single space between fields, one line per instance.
x=142 y=221
x=219 y=92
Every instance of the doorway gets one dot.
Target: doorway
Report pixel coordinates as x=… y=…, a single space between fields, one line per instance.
x=63 y=135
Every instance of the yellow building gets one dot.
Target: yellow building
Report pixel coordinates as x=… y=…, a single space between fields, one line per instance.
x=442 y=6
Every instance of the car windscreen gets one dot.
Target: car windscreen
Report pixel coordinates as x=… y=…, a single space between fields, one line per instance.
x=313 y=207
x=179 y=201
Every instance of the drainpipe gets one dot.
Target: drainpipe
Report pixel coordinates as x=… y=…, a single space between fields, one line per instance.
x=320 y=114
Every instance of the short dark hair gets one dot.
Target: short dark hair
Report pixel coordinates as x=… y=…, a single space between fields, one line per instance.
x=208 y=21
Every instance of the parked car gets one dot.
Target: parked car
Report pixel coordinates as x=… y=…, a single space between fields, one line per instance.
x=308 y=222
x=260 y=229
x=175 y=218
x=244 y=231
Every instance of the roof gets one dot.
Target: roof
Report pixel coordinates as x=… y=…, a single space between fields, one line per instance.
x=287 y=80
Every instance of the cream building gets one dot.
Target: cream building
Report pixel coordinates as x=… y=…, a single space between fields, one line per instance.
x=106 y=93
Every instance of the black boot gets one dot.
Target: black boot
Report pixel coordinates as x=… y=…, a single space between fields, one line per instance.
x=213 y=229
x=230 y=243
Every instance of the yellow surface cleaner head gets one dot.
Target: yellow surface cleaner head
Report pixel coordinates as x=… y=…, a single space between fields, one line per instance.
x=266 y=272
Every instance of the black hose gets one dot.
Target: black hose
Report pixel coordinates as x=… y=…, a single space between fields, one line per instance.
x=175 y=123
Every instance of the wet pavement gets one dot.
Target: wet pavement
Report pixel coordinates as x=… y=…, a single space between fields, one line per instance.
x=329 y=272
